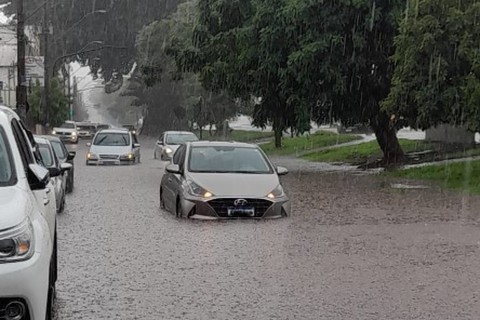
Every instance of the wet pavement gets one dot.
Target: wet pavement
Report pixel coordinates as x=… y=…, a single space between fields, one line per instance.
x=354 y=248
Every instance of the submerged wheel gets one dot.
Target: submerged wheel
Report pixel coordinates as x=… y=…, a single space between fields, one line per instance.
x=179 y=208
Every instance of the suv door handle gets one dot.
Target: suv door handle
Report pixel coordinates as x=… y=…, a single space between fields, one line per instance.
x=48 y=190
x=46 y=201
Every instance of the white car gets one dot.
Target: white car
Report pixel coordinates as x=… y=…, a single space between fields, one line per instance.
x=113 y=146
x=169 y=142
x=28 y=255
x=67 y=132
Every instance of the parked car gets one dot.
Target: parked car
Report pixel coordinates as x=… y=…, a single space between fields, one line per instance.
x=57 y=170
x=68 y=132
x=64 y=156
x=169 y=141
x=130 y=128
x=86 y=130
x=28 y=242
x=217 y=180
x=113 y=146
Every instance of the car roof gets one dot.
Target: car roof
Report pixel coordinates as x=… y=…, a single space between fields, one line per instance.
x=41 y=139
x=222 y=144
x=49 y=138
x=178 y=132
x=7 y=114
x=116 y=130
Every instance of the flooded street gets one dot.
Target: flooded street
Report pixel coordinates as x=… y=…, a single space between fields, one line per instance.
x=353 y=248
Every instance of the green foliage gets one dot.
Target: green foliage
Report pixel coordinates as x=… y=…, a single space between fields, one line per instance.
x=464 y=175
x=361 y=153
x=58 y=104
x=437 y=64
x=297 y=145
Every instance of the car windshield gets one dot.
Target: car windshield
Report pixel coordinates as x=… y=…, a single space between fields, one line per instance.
x=227 y=159
x=58 y=149
x=86 y=127
x=6 y=166
x=112 y=139
x=180 y=138
x=68 y=125
x=46 y=154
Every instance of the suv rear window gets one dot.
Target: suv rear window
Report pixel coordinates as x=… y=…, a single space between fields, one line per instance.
x=7 y=172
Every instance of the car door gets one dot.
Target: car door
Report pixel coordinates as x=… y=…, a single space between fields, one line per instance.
x=159 y=147
x=136 y=149
x=45 y=197
x=172 y=182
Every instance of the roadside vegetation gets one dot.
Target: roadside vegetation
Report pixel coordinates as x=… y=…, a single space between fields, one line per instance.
x=463 y=175
x=298 y=145
x=238 y=135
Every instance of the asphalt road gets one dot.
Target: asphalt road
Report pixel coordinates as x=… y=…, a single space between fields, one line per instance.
x=353 y=249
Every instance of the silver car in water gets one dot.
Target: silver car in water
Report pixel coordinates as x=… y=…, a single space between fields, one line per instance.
x=219 y=180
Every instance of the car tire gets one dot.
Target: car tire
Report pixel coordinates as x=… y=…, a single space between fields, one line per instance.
x=162 y=203
x=71 y=185
x=51 y=284
x=178 y=211
x=62 y=205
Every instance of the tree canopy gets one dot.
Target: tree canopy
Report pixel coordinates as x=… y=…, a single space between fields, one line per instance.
x=437 y=65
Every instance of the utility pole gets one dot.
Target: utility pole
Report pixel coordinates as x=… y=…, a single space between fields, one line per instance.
x=46 y=67
x=21 y=93
x=69 y=94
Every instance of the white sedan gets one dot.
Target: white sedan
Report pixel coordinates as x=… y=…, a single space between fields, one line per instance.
x=28 y=254
x=169 y=142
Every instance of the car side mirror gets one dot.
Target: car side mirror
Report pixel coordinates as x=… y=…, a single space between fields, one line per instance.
x=173 y=168
x=54 y=172
x=281 y=171
x=66 y=167
x=71 y=155
x=136 y=145
x=38 y=176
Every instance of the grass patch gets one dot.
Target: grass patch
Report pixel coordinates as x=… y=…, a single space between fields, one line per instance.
x=238 y=135
x=320 y=139
x=361 y=153
x=463 y=176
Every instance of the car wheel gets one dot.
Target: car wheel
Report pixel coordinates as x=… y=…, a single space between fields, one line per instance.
x=51 y=287
x=71 y=185
x=179 y=208
x=162 y=203
x=62 y=204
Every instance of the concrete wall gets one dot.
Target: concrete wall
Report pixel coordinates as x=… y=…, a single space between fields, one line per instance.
x=450 y=134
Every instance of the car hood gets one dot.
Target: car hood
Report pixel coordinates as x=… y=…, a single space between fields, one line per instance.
x=235 y=184
x=63 y=130
x=174 y=147
x=14 y=206
x=110 y=149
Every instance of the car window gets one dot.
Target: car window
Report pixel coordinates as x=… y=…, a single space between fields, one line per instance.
x=68 y=125
x=23 y=145
x=7 y=172
x=176 y=139
x=47 y=156
x=178 y=155
x=134 y=137
x=227 y=159
x=161 y=138
x=112 y=139
x=59 y=149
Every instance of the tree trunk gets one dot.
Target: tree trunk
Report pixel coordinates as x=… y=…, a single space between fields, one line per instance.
x=387 y=140
x=201 y=132
x=278 y=138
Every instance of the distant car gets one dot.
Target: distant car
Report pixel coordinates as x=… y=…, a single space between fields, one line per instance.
x=64 y=156
x=130 y=128
x=218 y=180
x=169 y=142
x=28 y=237
x=86 y=130
x=103 y=126
x=68 y=132
x=57 y=170
x=113 y=146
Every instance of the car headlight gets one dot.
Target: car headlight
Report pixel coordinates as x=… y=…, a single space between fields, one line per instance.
x=17 y=244
x=198 y=191
x=128 y=156
x=168 y=150
x=73 y=133
x=91 y=156
x=276 y=193
x=54 y=132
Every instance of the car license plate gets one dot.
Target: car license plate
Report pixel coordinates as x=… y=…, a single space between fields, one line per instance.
x=249 y=212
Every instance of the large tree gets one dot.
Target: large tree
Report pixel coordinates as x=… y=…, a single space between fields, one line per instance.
x=437 y=65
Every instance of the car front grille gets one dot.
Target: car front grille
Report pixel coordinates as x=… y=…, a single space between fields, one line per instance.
x=221 y=206
x=109 y=156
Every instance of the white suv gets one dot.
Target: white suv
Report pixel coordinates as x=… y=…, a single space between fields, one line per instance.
x=28 y=256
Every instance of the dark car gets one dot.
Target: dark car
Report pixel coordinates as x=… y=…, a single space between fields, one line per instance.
x=64 y=156
x=130 y=128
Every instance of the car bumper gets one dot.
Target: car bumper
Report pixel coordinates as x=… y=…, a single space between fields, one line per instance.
x=200 y=208
x=27 y=281
x=85 y=135
x=67 y=139
x=97 y=162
